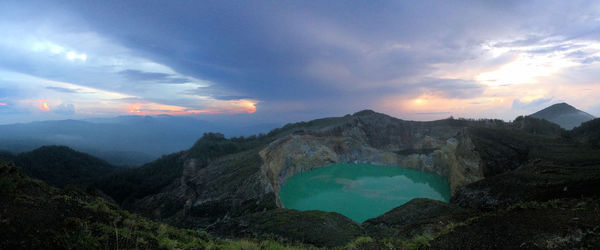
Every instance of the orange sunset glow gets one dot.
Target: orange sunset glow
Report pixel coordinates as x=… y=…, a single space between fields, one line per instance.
x=44 y=107
x=230 y=106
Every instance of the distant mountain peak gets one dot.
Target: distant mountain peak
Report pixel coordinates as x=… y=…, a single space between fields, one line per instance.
x=365 y=112
x=564 y=115
x=559 y=107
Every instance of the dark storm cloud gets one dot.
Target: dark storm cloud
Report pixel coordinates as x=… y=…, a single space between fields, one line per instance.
x=283 y=50
x=287 y=50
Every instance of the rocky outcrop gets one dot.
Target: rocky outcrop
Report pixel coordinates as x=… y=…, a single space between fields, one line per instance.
x=205 y=194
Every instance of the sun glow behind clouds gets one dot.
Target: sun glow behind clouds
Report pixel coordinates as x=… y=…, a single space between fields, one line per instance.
x=44 y=106
x=535 y=61
x=522 y=71
x=432 y=106
x=525 y=69
x=161 y=109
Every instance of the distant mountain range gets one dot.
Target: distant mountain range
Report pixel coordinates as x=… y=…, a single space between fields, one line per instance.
x=564 y=115
x=135 y=140
x=125 y=140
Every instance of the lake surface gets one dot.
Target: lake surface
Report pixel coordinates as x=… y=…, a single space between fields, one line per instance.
x=360 y=191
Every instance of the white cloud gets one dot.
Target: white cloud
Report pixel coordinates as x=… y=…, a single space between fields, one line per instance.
x=65 y=109
x=72 y=56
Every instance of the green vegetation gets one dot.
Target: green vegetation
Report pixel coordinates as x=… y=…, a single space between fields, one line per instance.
x=587 y=132
x=37 y=216
x=553 y=224
x=319 y=228
x=537 y=126
x=139 y=182
x=506 y=149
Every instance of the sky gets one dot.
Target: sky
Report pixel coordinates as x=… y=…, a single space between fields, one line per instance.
x=286 y=61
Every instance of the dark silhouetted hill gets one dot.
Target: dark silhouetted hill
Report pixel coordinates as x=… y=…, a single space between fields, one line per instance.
x=60 y=165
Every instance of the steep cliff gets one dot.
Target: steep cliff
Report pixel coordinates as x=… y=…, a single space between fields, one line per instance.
x=443 y=149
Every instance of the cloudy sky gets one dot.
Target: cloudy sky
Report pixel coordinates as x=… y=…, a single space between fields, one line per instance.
x=283 y=61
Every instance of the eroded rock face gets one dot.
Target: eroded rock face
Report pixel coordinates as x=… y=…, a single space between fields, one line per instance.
x=204 y=194
x=444 y=150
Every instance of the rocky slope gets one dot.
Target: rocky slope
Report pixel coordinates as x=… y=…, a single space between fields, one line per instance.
x=445 y=150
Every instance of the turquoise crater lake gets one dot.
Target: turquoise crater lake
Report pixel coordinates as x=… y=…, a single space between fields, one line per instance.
x=360 y=191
